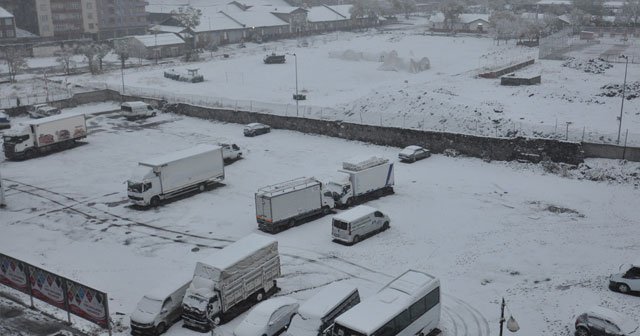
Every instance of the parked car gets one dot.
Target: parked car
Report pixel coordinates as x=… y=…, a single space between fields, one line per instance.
x=273 y=59
x=42 y=111
x=4 y=120
x=254 y=129
x=413 y=154
x=627 y=281
x=268 y=318
x=600 y=321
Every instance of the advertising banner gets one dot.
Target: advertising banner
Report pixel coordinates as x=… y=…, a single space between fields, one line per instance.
x=88 y=303
x=13 y=273
x=47 y=287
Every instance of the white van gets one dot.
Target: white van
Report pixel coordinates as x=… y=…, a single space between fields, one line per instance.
x=42 y=111
x=315 y=316
x=358 y=223
x=137 y=109
x=160 y=308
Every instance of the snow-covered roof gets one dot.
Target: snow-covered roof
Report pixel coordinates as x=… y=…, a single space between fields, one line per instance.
x=284 y=9
x=178 y=155
x=326 y=300
x=324 y=14
x=609 y=18
x=468 y=18
x=564 y=17
x=4 y=13
x=168 y=284
x=218 y=21
x=162 y=39
x=237 y=251
x=21 y=33
x=373 y=312
x=52 y=118
x=343 y=10
x=555 y=2
x=613 y=4
x=166 y=29
x=355 y=213
x=257 y=19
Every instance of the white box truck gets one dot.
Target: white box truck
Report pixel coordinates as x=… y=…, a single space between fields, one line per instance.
x=175 y=174
x=284 y=205
x=44 y=135
x=363 y=180
x=230 y=281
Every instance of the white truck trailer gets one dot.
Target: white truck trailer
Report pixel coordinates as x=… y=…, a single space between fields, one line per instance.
x=230 y=281
x=284 y=205
x=44 y=135
x=175 y=174
x=363 y=180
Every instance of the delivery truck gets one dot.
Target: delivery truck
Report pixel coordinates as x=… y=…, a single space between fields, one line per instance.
x=44 y=135
x=175 y=174
x=362 y=180
x=230 y=281
x=284 y=205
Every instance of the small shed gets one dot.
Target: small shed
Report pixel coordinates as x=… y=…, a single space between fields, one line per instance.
x=156 y=45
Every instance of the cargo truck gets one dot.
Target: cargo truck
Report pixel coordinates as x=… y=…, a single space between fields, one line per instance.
x=281 y=206
x=230 y=281
x=175 y=174
x=44 y=135
x=363 y=180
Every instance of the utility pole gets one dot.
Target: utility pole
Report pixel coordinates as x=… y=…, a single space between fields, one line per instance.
x=624 y=86
x=502 y=315
x=298 y=97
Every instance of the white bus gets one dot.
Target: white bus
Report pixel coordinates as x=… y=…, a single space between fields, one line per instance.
x=409 y=305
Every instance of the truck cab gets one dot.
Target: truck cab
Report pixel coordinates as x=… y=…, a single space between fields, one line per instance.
x=230 y=151
x=341 y=191
x=202 y=301
x=143 y=186
x=18 y=140
x=42 y=111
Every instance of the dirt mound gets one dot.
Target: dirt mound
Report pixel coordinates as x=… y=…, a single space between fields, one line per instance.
x=593 y=65
x=615 y=90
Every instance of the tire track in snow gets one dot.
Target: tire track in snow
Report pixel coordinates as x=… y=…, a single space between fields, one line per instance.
x=465 y=320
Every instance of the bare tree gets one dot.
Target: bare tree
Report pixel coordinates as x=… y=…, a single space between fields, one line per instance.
x=102 y=51
x=189 y=18
x=121 y=48
x=506 y=25
x=89 y=52
x=366 y=8
x=631 y=12
x=14 y=57
x=404 y=6
x=451 y=11
x=65 y=57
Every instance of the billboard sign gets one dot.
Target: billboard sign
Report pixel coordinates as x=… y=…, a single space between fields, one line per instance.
x=47 y=287
x=88 y=303
x=13 y=273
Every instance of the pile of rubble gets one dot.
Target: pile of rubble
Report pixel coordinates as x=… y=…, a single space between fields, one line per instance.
x=615 y=90
x=593 y=65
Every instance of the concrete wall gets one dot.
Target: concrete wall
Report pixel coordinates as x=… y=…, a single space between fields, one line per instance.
x=504 y=71
x=606 y=151
x=437 y=142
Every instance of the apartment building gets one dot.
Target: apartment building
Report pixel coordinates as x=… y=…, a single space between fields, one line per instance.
x=72 y=19
x=118 y=18
x=7 y=25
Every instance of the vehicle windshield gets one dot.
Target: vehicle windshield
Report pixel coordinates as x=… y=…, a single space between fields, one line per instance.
x=148 y=305
x=339 y=330
x=134 y=186
x=258 y=317
x=14 y=139
x=340 y=224
x=301 y=325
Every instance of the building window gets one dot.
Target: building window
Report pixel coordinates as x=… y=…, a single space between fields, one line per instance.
x=44 y=18
x=8 y=21
x=9 y=33
x=91 y=26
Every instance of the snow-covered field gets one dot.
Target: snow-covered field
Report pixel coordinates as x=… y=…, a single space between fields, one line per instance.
x=488 y=230
x=341 y=75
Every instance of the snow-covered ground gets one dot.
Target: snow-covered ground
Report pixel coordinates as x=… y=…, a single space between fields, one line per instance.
x=341 y=75
x=488 y=230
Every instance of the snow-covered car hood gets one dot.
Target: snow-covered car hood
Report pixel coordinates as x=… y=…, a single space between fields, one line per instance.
x=406 y=152
x=141 y=317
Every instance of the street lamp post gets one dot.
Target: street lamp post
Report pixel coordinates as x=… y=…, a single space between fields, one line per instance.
x=566 y=134
x=624 y=87
x=295 y=57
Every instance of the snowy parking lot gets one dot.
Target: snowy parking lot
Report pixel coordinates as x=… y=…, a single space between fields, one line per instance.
x=488 y=230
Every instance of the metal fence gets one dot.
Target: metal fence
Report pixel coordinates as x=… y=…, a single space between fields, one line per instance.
x=605 y=43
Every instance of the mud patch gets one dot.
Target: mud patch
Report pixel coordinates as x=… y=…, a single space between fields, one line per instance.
x=116 y=203
x=561 y=210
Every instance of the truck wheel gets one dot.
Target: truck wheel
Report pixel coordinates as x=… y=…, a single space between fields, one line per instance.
x=349 y=202
x=259 y=296
x=155 y=201
x=292 y=223
x=202 y=187
x=326 y=210
x=30 y=153
x=356 y=239
x=161 y=328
